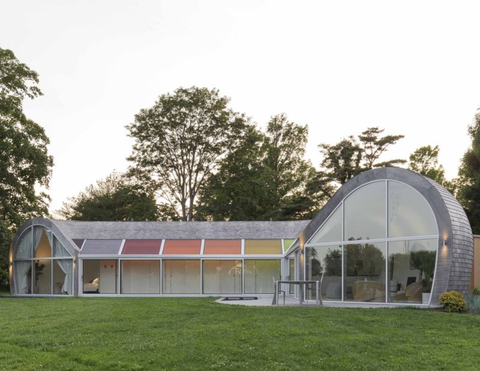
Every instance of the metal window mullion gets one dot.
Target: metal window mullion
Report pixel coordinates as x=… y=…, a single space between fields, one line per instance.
x=343 y=251
x=243 y=276
x=387 y=226
x=201 y=276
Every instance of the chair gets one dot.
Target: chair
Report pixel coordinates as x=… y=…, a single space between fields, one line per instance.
x=279 y=290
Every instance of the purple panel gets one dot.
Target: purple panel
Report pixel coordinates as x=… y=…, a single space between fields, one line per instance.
x=101 y=247
x=79 y=243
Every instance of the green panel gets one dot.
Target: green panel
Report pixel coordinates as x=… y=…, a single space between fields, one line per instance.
x=287 y=244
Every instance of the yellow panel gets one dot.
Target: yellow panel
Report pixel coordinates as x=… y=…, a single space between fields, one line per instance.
x=263 y=247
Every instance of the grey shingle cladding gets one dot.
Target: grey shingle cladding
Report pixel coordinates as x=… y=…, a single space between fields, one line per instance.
x=182 y=230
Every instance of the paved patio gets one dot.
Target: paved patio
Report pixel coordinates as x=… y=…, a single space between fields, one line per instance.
x=266 y=301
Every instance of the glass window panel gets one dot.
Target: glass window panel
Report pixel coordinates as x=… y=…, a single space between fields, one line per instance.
x=263 y=247
x=365 y=272
x=23 y=276
x=327 y=260
x=365 y=215
x=62 y=276
x=181 y=276
x=331 y=231
x=411 y=267
x=408 y=212
x=222 y=276
x=223 y=247
x=24 y=246
x=140 y=277
x=291 y=275
x=287 y=244
x=59 y=251
x=42 y=277
x=43 y=245
x=100 y=276
x=142 y=247
x=182 y=247
x=101 y=247
x=260 y=276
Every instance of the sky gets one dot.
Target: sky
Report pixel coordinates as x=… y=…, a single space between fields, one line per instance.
x=409 y=67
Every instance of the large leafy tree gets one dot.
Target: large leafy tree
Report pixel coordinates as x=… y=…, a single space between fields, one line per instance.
x=116 y=198
x=24 y=160
x=264 y=178
x=424 y=160
x=469 y=177
x=180 y=141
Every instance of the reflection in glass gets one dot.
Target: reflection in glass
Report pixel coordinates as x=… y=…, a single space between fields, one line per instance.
x=327 y=260
x=222 y=276
x=411 y=270
x=181 y=277
x=260 y=274
x=408 y=212
x=331 y=231
x=140 y=277
x=365 y=215
x=365 y=272
x=291 y=275
x=42 y=277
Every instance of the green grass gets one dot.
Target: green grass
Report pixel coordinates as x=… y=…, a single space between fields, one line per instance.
x=198 y=334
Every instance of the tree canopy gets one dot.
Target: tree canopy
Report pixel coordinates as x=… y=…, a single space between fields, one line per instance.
x=424 y=160
x=469 y=177
x=25 y=163
x=116 y=198
x=180 y=141
x=264 y=178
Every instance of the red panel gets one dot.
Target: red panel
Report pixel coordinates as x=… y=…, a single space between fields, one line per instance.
x=142 y=247
x=182 y=247
x=223 y=247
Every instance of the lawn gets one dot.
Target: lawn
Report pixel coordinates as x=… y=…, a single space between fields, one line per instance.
x=199 y=334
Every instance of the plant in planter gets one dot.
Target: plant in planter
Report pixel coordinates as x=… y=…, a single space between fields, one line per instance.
x=424 y=261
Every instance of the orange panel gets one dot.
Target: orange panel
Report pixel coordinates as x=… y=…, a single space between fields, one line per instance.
x=224 y=247
x=182 y=247
x=266 y=247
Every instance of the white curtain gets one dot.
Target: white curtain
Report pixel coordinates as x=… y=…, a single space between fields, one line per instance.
x=37 y=234
x=21 y=279
x=66 y=265
x=24 y=246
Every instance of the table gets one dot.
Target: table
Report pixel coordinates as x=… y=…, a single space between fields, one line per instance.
x=301 y=285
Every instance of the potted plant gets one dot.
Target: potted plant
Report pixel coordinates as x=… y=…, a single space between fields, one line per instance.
x=424 y=261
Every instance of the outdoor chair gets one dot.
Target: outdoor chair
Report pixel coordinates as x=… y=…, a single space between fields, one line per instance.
x=280 y=291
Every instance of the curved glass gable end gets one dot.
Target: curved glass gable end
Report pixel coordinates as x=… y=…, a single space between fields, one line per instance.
x=42 y=265
x=379 y=246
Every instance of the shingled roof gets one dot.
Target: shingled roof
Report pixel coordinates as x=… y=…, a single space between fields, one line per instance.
x=182 y=230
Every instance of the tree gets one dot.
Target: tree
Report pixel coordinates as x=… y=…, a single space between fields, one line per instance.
x=180 y=141
x=469 y=174
x=264 y=178
x=114 y=199
x=424 y=160
x=25 y=163
x=351 y=156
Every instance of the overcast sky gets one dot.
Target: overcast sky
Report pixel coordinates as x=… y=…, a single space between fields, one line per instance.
x=410 y=67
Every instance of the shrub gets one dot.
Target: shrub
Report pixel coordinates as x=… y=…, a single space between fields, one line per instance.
x=476 y=290
x=473 y=303
x=453 y=301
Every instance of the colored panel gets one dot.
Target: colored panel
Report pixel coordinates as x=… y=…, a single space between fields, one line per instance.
x=182 y=247
x=266 y=247
x=227 y=247
x=101 y=247
x=78 y=242
x=287 y=244
x=142 y=247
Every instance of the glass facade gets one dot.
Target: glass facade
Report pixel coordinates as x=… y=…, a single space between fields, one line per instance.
x=380 y=245
x=140 y=277
x=42 y=265
x=181 y=277
x=222 y=276
x=260 y=276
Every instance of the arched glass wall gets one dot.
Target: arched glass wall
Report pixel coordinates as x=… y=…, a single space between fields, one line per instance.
x=42 y=265
x=379 y=245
